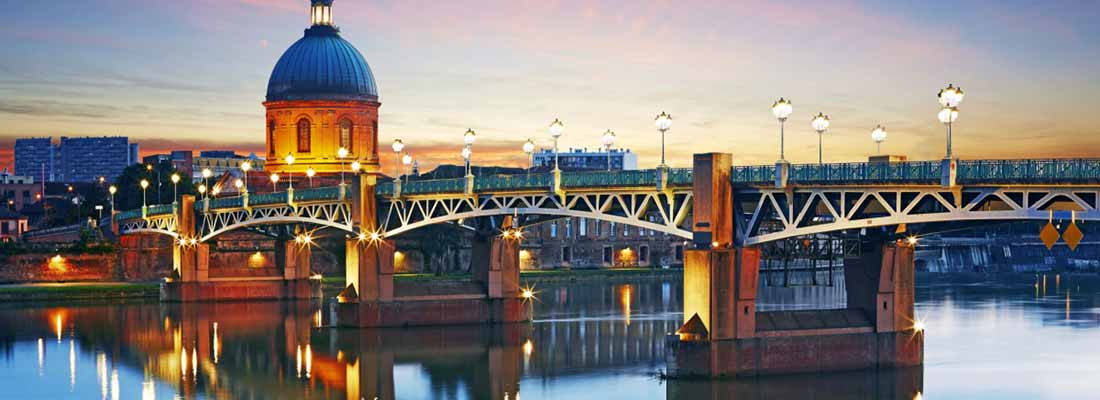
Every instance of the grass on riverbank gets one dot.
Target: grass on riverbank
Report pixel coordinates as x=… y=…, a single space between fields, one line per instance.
x=89 y=290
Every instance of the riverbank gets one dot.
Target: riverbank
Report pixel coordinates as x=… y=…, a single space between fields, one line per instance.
x=330 y=285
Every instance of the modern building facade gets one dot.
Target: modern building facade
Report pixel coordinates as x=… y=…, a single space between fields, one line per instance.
x=321 y=97
x=12 y=225
x=220 y=162
x=17 y=192
x=76 y=159
x=585 y=160
x=37 y=157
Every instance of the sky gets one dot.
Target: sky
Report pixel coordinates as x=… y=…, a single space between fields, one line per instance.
x=192 y=74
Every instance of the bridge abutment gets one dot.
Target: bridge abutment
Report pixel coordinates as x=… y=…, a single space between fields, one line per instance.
x=371 y=297
x=191 y=279
x=723 y=333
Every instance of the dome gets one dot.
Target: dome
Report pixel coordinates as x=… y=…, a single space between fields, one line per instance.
x=321 y=66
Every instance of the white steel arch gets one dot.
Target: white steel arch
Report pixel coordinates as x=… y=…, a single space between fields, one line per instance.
x=809 y=210
x=650 y=209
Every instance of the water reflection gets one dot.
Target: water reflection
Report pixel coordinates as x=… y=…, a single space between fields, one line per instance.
x=590 y=340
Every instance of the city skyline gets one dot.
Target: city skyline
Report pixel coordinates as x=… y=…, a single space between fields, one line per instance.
x=165 y=76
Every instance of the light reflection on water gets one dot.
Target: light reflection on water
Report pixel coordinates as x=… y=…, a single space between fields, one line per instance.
x=589 y=340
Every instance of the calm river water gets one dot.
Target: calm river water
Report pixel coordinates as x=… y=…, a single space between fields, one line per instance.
x=589 y=341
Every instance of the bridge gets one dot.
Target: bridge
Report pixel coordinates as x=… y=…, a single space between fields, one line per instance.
x=727 y=211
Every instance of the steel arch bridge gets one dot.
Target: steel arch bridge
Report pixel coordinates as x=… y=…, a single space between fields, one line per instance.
x=816 y=198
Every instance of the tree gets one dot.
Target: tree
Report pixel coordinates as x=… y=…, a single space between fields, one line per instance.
x=129 y=195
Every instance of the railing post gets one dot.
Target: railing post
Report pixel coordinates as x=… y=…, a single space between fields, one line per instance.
x=343 y=191
x=144 y=212
x=396 y=188
x=556 y=185
x=782 y=173
x=290 y=197
x=948 y=169
x=469 y=190
x=205 y=205
x=244 y=200
x=662 y=178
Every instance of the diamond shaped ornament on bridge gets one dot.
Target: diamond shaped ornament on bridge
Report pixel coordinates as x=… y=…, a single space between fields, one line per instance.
x=1073 y=236
x=1049 y=235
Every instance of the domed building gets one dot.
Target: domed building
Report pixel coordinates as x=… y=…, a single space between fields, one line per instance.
x=321 y=97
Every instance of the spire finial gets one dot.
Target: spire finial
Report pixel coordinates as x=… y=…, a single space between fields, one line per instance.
x=321 y=12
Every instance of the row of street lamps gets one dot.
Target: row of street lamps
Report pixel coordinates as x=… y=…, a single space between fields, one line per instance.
x=949 y=99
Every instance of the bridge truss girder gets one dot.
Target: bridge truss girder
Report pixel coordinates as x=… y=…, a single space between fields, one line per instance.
x=326 y=214
x=650 y=209
x=766 y=214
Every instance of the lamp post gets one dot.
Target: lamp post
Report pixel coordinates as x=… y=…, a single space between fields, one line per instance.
x=175 y=187
x=202 y=189
x=397 y=146
x=949 y=97
x=144 y=185
x=820 y=123
x=274 y=182
x=310 y=172
x=608 y=140
x=556 y=129
x=407 y=160
x=341 y=153
x=239 y=184
x=289 y=172
x=356 y=166
x=879 y=136
x=206 y=173
x=466 y=153
x=664 y=123
x=529 y=148
x=468 y=139
x=245 y=167
x=782 y=109
x=111 y=190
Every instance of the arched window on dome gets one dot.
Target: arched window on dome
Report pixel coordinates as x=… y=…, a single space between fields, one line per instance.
x=303 y=135
x=346 y=134
x=374 y=146
x=271 y=138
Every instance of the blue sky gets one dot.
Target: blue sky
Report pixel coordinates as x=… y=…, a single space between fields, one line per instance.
x=192 y=74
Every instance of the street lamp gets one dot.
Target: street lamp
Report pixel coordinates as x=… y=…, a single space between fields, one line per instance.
x=820 y=124
x=144 y=185
x=341 y=153
x=274 y=182
x=879 y=136
x=245 y=167
x=608 y=140
x=664 y=123
x=529 y=148
x=468 y=140
x=175 y=187
x=310 y=172
x=466 y=153
x=356 y=166
x=206 y=174
x=239 y=184
x=112 y=191
x=407 y=160
x=556 y=129
x=202 y=189
x=949 y=97
x=782 y=109
x=398 y=145
x=289 y=173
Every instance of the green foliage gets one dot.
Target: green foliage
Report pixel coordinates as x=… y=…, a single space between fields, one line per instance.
x=129 y=194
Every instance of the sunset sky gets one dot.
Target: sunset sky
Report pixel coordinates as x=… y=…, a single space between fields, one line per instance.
x=191 y=74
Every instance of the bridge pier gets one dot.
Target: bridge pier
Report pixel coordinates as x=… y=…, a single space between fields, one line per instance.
x=371 y=298
x=191 y=279
x=724 y=335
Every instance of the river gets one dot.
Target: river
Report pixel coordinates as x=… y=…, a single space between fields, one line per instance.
x=1005 y=339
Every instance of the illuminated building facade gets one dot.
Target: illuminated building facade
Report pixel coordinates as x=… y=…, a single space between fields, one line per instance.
x=321 y=96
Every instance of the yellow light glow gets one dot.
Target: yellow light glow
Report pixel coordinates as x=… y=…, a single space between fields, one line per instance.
x=912 y=240
x=256 y=260
x=528 y=347
x=528 y=293
x=714 y=244
x=918 y=325
x=216 y=344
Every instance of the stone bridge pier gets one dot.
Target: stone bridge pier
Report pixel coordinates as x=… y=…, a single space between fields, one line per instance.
x=723 y=333
x=200 y=273
x=371 y=297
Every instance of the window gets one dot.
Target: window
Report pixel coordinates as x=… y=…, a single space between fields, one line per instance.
x=346 y=135
x=679 y=253
x=303 y=135
x=611 y=231
x=626 y=230
x=554 y=230
x=4 y=227
x=566 y=254
x=599 y=226
x=374 y=128
x=608 y=253
x=568 y=228
x=271 y=138
x=582 y=229
x=643 y=254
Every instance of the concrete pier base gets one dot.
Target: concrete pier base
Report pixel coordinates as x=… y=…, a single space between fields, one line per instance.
x=436 y=311
x=724 y=335
x=233 y=290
